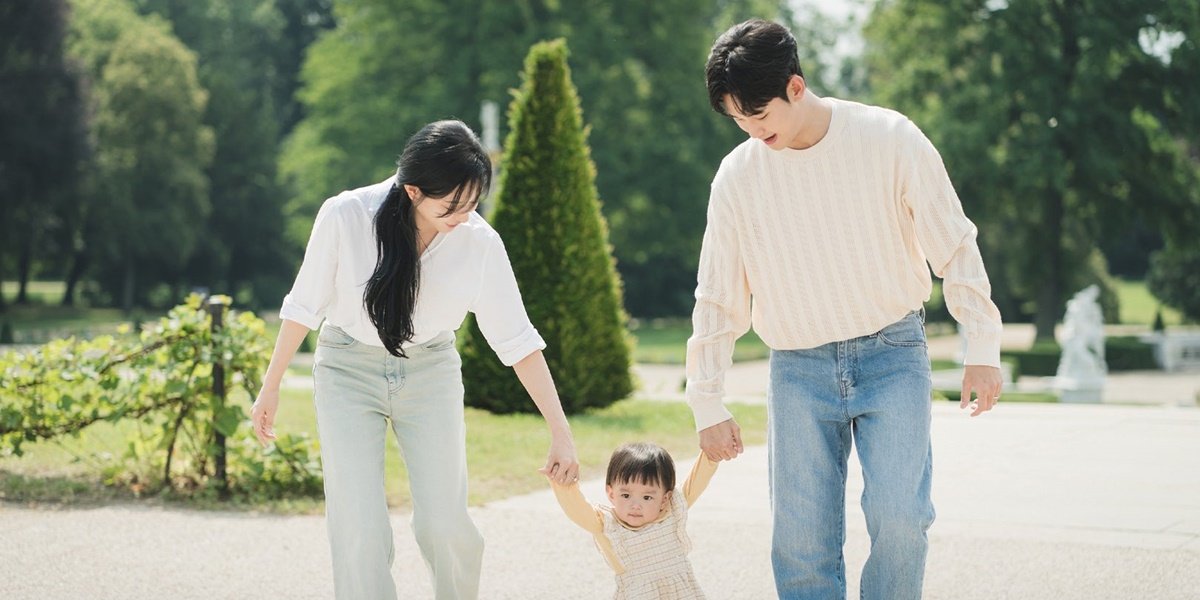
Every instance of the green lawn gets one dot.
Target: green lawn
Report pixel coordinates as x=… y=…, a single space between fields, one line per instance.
x=664 y=341
x=44 y=319
x=1138 y=306
x=504 y=451
x=40 y=292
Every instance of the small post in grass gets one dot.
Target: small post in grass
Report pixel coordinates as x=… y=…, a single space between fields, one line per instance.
x=217 y=305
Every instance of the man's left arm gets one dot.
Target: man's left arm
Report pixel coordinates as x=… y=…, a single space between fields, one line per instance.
x=948 y=239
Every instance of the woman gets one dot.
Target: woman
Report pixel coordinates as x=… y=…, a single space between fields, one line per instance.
x=392 y=269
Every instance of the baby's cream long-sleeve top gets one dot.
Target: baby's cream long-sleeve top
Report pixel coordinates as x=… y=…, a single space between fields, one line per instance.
x=830 y=243
x=591 y=517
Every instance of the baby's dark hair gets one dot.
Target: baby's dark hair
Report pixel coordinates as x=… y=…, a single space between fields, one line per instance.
x=644 y=463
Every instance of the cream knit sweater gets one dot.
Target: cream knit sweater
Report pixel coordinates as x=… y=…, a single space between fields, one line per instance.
x=831 y=243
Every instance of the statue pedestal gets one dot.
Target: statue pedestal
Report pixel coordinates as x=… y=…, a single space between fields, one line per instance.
x=1075 y=390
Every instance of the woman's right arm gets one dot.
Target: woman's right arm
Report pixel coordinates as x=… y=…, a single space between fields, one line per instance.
x=303 y=310
x=262 y=414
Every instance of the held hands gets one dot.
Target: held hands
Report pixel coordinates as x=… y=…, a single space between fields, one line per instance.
x=262 y=414
x=722 y=441
x=562 y=465
x=986 y=383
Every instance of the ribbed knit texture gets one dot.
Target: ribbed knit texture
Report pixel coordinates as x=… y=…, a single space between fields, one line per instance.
x=832 y=242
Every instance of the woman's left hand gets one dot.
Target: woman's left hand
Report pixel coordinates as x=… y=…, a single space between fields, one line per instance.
x=562 y=465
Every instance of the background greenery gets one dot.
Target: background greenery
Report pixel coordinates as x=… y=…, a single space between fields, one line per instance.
x=503 y=453
x=1069 y=128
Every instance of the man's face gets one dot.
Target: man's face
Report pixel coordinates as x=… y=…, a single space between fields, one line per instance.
x=778 y=123
x=772 y=125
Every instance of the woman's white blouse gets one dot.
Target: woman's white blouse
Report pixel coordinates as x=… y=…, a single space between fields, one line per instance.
x=464 y=270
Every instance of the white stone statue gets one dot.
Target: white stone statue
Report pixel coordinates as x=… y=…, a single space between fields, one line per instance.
x=1082 y=370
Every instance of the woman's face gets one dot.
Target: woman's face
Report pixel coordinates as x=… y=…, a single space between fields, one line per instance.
x=433 y=213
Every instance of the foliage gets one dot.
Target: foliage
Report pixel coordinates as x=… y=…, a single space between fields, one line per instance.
x=152 y=148
x=42 y=134
x=245 y=62
x=1121 y=353
x=162 y=377
x=99 y=112
x=1060 y=122
x=549 y=217
x=1175 y=279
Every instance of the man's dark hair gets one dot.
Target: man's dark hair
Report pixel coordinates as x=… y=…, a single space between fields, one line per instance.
x=752 y=63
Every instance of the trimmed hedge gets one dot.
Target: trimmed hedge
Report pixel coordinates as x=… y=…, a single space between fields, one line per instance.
x=548 y=213
x=1123 y=353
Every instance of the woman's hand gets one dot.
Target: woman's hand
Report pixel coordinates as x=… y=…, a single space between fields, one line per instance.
x=562 y=465
x=262 y=414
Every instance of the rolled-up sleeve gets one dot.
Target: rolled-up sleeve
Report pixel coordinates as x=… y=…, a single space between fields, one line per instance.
x=313 y=289
x=500 y=312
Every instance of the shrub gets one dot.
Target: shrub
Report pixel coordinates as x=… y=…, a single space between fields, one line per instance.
x=163 y=377
x=1120 y=354
x=548 y=214
x=1174 y=278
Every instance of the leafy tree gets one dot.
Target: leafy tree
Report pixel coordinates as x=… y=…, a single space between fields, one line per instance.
x=42 y=135
x=548 y=214
x=236 y=43
x=152 y=148
x=1061 y=121
x=1175 y=279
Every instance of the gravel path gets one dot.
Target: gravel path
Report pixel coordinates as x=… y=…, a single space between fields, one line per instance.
x=1034 y=501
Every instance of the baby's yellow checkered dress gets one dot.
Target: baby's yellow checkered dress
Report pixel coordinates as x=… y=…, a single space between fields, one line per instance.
x=650 y=561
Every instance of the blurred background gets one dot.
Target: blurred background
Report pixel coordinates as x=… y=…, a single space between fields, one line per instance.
x=149 y=148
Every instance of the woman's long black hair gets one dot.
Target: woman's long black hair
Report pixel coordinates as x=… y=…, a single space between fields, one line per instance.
x=442 y=158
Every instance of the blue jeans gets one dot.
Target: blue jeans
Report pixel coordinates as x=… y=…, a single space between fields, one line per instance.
x=876 y=390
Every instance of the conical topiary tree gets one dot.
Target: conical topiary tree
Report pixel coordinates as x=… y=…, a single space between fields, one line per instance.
x=548 y=214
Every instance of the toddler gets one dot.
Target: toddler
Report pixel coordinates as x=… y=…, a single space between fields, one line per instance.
x=643 y=534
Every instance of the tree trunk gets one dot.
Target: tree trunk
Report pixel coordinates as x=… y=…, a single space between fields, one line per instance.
x=3 y=304
x=1050 y=296
x=74 y=274
x=127 y=295
x=24 y=266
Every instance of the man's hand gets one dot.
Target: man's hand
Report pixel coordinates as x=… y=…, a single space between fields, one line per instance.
x=986 y=383
x=722 y=441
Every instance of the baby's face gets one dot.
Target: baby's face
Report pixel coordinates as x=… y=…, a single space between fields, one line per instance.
x=637 y=503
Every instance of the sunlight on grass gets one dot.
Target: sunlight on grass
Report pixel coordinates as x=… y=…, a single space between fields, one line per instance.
x=1138 y=305
x=503 y=451
x=664 y=341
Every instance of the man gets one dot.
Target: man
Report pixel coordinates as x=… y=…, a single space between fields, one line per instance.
x=819 y=230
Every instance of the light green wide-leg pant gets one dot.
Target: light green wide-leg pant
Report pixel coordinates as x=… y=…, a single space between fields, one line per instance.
x=358 y=389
